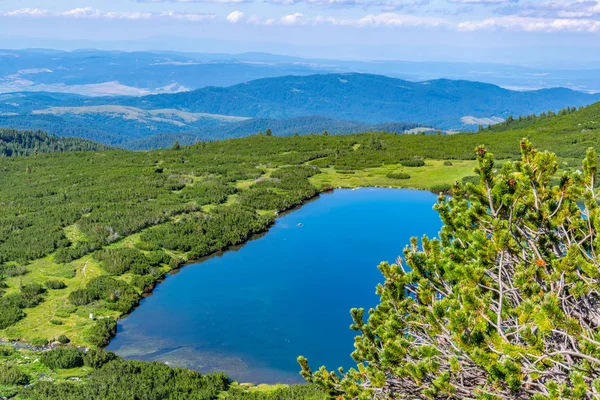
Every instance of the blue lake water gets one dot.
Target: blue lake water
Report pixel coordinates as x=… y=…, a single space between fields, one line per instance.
x=252 y=310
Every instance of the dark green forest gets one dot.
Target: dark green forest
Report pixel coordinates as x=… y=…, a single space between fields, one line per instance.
x=23 y=143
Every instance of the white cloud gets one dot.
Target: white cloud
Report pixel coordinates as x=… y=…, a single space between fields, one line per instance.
x=386 y=19
x=484 y=2
x=235 y=17
x=26 y=12
x=554 y=9
x=292 y=19
x=529 y=24
x=195 y=1
x=91 y=13
x=382 y=4
x=192 y=17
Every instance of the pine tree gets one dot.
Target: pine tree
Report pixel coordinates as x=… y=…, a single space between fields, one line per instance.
x=504 y=305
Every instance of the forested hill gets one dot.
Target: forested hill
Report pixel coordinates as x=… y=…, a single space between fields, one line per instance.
x=338 y=103
x=566 y=120
x=367 y=98
x=22 y=143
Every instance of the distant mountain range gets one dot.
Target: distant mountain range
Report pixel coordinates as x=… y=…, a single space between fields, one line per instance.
x=339 y=103
x=98 y=73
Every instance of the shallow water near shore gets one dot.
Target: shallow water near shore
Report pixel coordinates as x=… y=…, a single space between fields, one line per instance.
x=250 y=311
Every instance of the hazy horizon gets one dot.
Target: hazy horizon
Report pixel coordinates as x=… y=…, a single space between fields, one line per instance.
x=514 y=32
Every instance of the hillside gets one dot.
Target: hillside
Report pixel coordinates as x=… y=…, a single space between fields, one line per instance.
x=367 y=98
x=280 y=127
x=24 y=143
x=339 y=103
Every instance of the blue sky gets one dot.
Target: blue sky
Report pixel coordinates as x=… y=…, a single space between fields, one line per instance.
x=557 y=32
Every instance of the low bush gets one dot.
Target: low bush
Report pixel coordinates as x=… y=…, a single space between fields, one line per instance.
x=96 y=358
x=39 y=342
x=67 y=254
x=62 y=339
x=13 y=270
x=31 y=290
x=10 y=315
x=413 y=162
x=474 y=179
x=55 y=284
x=63 y=358
x=117 y=295
x=398 y=175
x=144 y=283
x=6 y=351
x=56 y=322
x=176 y=262
x=293 y=392
x=10 y=375
x=122 y=260
x=101 y=332
x=441 y=188
x=121 y=379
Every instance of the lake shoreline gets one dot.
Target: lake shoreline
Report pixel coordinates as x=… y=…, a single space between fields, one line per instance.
x=400 y=201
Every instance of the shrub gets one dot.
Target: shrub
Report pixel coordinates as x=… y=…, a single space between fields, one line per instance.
x=96 y=358
x=101 y=332
x=176 y=262
x=81 y=297
x=55 y=284
x=144 y=283
x=121 y=379
x=62 y=339
x=441 y=188
x=471 y=179
x=147 y=246
x=56 y=322
x=10 y=315
x=413 y=162
x=10 y=375
x=39 y=342
x=118 y=295
x=13 y=270
x=398 y=175
x=63 y=358
x=122 y=260
x=67 y=254
x=6 y=351
x=33 y=289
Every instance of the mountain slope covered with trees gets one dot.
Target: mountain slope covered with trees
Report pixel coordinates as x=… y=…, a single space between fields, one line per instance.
x=348 y=103
x=22 y=143
x=367 y=98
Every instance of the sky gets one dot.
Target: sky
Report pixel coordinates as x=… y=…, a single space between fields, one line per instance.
x=526 y=32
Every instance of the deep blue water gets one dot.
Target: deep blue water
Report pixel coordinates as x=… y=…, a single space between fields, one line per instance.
x=251 y=311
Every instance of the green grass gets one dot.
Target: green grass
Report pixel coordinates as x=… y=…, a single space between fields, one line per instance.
x=433 y=173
